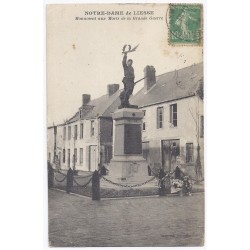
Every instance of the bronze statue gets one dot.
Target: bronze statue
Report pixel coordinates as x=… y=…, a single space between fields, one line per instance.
x=128 y=79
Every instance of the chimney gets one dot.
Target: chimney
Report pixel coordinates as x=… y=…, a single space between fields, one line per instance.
x=85 y=99
x=112 y=88
x=149 y=74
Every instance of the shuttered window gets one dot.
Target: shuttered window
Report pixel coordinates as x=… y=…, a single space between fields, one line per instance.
x=81 y=131
x=64 y=133
x=160 y=117
x=173 y=115
x=75 y=132
x=189 y=152
x=69 y=132
x=63 y=155
x=81 y=156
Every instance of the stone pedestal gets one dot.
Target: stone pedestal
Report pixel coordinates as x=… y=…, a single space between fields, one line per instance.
x=128 y=164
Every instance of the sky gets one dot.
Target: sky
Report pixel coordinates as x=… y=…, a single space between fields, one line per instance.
x=84 y=56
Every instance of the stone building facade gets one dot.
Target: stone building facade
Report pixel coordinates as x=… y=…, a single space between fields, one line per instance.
x=172 y=129
x=173 y=124
x=85 y=140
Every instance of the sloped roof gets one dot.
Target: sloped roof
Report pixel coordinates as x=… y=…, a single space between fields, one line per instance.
x=171 y=86
x=102 y=106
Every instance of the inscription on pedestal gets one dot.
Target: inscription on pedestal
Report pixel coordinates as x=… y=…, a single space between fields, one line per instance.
x=132 y=139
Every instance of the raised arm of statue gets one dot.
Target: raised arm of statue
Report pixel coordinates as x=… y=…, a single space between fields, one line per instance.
x=124 y=60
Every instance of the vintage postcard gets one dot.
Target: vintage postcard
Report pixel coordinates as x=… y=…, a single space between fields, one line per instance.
x=125 y=125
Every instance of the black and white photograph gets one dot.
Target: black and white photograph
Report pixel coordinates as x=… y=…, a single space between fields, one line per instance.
x=125 y=125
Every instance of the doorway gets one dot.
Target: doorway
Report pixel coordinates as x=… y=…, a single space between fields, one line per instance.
x=170 y=151
x=92 y=158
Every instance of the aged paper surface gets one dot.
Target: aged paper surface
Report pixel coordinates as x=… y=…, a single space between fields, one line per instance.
x=119 y=129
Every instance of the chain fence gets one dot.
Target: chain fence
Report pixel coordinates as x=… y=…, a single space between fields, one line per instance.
x=84 y=185
x=126 y=190
x=65 y=176
x=129 y=186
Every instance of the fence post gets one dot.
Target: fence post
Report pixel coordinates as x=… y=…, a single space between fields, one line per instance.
x=69 y=183
x=162 y=187
x=96 y=186
x=50 y=177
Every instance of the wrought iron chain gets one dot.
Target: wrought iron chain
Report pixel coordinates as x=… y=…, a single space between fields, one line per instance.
x=61 y=180
x=130 y=186
x=83 y=186
x=58 y=171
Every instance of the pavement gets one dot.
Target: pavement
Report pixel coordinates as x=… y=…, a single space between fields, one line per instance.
x=77 y=221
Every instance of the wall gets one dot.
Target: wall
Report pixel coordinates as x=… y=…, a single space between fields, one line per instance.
x=66 y=144
x=50 y=143
x=106 y=139
x=185 y=131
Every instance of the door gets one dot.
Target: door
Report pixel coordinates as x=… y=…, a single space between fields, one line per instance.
x=92 y=158
x=170 y=151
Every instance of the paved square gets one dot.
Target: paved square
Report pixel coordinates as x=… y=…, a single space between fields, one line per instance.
x=155 y=221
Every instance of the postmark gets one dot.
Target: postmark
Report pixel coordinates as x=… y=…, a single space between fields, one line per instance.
x=185 y=24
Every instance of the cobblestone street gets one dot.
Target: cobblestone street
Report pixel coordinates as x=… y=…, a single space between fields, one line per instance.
x=155 y=221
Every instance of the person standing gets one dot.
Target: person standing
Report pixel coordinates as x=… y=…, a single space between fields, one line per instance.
x=177 y=173
x=162 y=187
x=103 y=170
x=187 y=186
x=149 y=171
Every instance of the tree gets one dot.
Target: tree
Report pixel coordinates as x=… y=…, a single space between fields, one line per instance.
x=196 y=119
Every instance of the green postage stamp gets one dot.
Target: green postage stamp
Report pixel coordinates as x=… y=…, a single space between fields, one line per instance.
x=185 y=24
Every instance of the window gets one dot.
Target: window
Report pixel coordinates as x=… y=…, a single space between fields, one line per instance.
x=202 y=127
x=64 y=133
x=144 y=123
x=189 y=152
x=81 y=130
x=173 y=115
x=69 y=133
x=75 y=132
x=92 y=132
x=64 y=155
x=68 y=157
x=81 y=156
x=81 y=114
x=59 y=160
x=75 y=155
x=160 y=117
